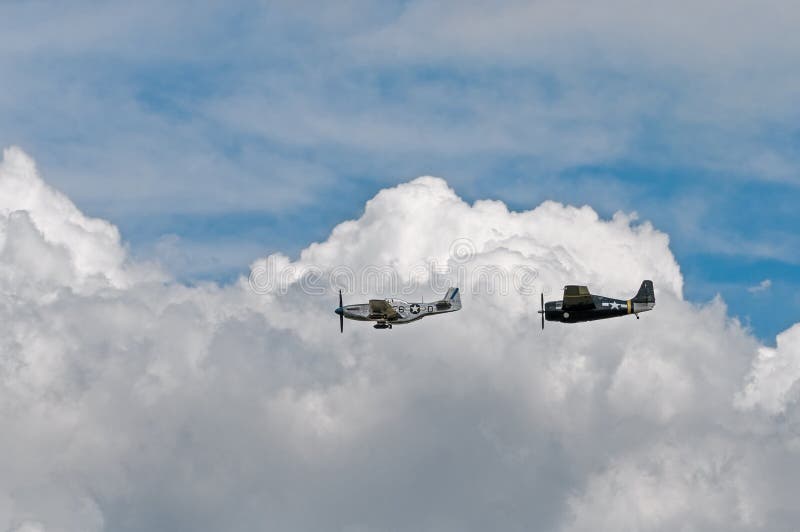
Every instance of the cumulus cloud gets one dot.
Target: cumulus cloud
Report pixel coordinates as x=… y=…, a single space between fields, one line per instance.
x=131 y=403
x=773 y=382
x=46 y=239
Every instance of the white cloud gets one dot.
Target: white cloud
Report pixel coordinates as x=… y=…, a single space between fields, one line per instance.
x=657 y=488
x=763 y=286
x=129 y=404
x=47 y=239
x=774 y=382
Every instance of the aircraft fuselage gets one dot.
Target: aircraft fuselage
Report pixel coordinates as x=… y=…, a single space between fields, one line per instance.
x=406 y=311
x=602 y=308
x=388 y=312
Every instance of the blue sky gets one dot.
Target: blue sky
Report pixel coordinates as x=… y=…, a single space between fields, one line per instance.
x=215 y=134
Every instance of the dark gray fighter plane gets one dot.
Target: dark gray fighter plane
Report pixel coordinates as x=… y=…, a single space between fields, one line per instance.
x=388 y=312
x=579 y=305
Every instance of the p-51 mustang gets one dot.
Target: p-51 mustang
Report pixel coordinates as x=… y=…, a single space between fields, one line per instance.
x=388 y=312
x=579 y=305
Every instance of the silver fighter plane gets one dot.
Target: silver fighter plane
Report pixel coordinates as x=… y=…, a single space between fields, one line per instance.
x=388 y=312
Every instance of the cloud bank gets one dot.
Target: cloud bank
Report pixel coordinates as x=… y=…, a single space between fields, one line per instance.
x=129 y=402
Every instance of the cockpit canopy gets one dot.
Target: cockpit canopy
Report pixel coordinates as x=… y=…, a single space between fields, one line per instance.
x=572 y=290
x=576 y=297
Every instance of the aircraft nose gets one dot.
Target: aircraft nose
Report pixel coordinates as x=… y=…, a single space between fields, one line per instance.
x=339 y=311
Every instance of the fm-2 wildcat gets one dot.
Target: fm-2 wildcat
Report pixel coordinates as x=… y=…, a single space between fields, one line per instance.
x=392 y=311
x=579 y=305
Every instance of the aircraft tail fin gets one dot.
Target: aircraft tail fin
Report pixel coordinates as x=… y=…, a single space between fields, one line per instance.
x=645 y=298
x=451 y=300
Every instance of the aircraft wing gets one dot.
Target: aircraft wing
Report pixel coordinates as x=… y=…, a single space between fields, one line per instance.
x=577 y=297
x=381 y=307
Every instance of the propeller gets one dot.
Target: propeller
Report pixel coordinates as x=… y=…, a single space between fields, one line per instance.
x=341 y=313
x=542 y=311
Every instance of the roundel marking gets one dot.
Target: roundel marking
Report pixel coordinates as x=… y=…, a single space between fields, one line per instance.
x=414 y=308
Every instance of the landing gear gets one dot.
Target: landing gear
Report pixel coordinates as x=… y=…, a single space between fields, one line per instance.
x=637 y=316
x=382 y=325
